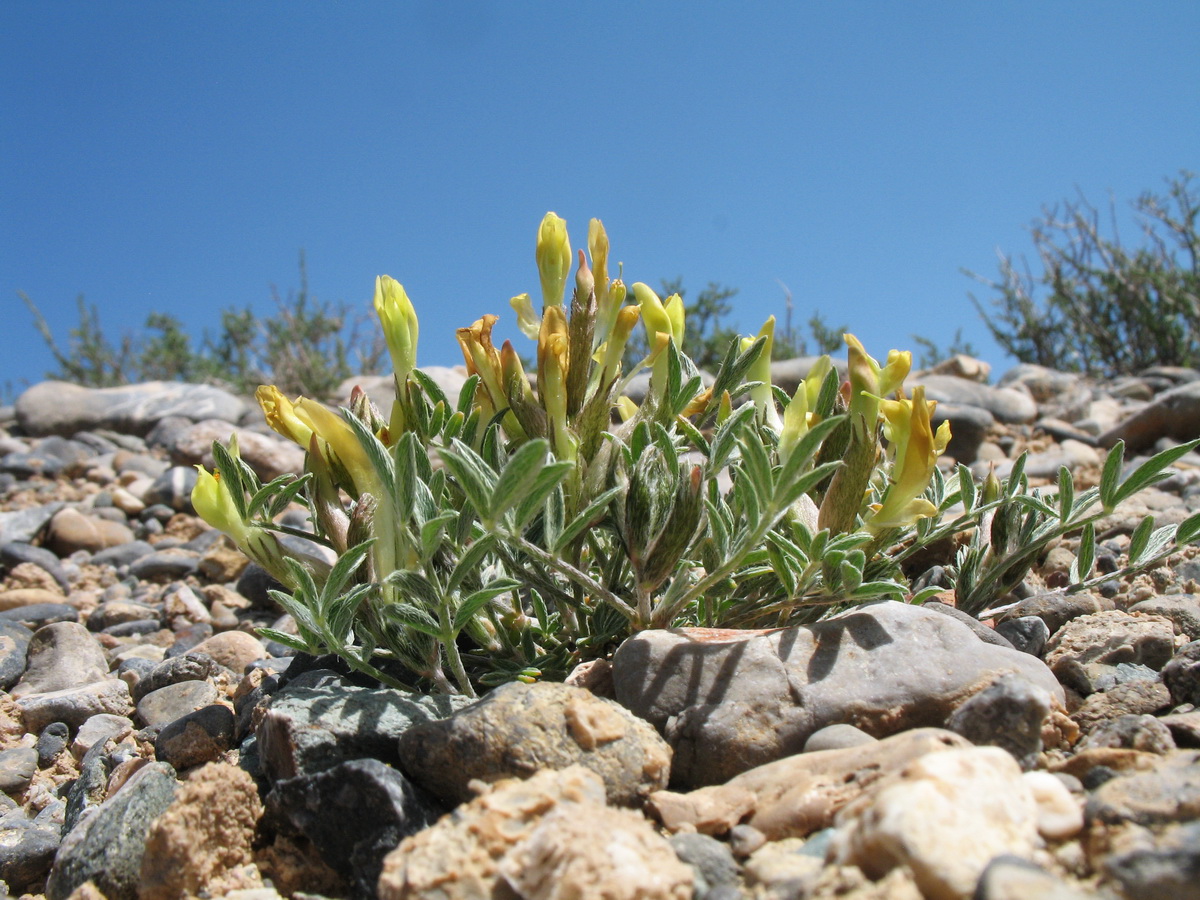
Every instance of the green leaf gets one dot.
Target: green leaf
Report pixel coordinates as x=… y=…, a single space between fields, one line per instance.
x=414 y=617
x=693 y=434
x=870 y=589
x=591 y=514
x=466 y=395
x=1110 y=475
x=473 y=475
x=783 y=570
x=471 y=562
x=288 y=640
x=1082 y=566
x=519 y=475
x=807 y=447
x=725 y=440
x=377 y=454
x=1189 y=530
x=1151 y=471
x=1016 y=478
x=343 y=570
x=543 y=487
x=405 y=455
x=431 y=532
x=756 y=464
x=284 y=498
x=416 y=587
x=966 y=488
x=480 y=598
x=552 y=522
x=1139 y=539
x=430 y=387
x=791 y=493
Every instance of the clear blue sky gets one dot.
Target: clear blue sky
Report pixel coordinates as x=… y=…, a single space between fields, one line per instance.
x=177 y=156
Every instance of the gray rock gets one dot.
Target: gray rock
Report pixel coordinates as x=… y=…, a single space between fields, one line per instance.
x=788 y=373
x=308 y=730
x=1169 y=792
x=51 y=742
x=117 y=612
x=163 y=706
x=74 y=706
x=57 y=407
x=1182 y=609
x=969 y=425
x=985 y=634
x=354 y=814
x=100 y=729
x=1044 y=384
x=26 y=852
x=1014 y=878
x=837 y=737
x=730 y=701
x=1028 y=634
x=1085 y=653
x=1131 y=698
x=190 y=666
x=1182 y=674
x=121 y=556
x=710 y=859
x=62 y=655
x=1056 y=609
x=25 y=525
x=165 y=565
x=31 y=464
x=269 y=456
x=173 y=488
x=196 y=738
x=71 y=530
x=16 y=768
x=107 y=847
x=1132 y=732
x=1008 y=405
x=1009 y=713
x=1173 y=414
x=1165 y=869
x=14 y=645
x=88 y=790
x=39 y=615
x=519 y=729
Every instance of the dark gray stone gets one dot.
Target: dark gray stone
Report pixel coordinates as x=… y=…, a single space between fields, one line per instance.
x=1026 y=633
x=1173 y=414
x=1057 y=609
x=1008 y=714
x=196 y=738
x=354 y=814
x=985 y=634
x=1008 y=405
x=25 y=525
x=37 y=615
x=123 y=554
x=1015 y=878
x=188 y=667
x=173 y=488
x=1181 y=674
x=51 y=742
x=710 y=859
x=26 y=852
x=31 y=464
x=969 y=425
x=1132 y=732
x=165 y=565
x=107 y=847
x=14 y=645
x=16 y=768
x=1169 y=869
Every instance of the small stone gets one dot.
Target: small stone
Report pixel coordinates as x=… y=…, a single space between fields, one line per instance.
x=1165 y=869
x=14 y=645
x=223 y=562
x=200 y=841
x=181 y=602
x=234 y=650
x=1133 y=732
x=196 y=738
x=163 y=706
x=171 y=564
x=37 y=615
x=1182 y=609
x=124 y=555
x=70 y=530
x=1013 y=878
x=1028 y=634
x=1182 y=674
x=74 y=706
x=17 y=767
x=1087 y=648
x=26 y=853
x=711 y=860
x=1132 y=698
x=519 y=729
x=837 y=737
x=28 y=596
x=61 y=656
x=51 y=742
x=98 y=730
x=119 y=612
x=14 y=553
x=191 y=666
x=1169 y=792
x=1059 y=813
x=1009 y=714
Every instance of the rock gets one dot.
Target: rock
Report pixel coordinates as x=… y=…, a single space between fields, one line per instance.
x=202 y=837
x=58 y=407
x=837 y=737
x=119 y=612
x=173 y=489
x=70 y=530
x=1056 y=609
x=519 y=729
x=1008 y=713
x=14 y=645
x=17 y=766
x=728 y=701
x=1165 y=867
x=171 y=564
x=1008 y=405
x=267 y=455
x=108 y=847
x=61 y=656
x=124 y=555
x=24 y=525
x=14 y=553
x=26 y=852
x=599 y=852
x=163 y=706
x=354 y=814
x=711 y=860
x=797 y=795
x=38 y=615
x=51 y=742
x=191 y=666
x=1169 y=792
x=1182 y=609
x=945 y=816
x=1013 y=878
x=196 y=738
x=74 y=706
x=459 y=856
x=307 y=730
x=1088 y=648
x=969 y=427
x=788 y=373
x=1133 y=698
x=1181 y=674
x=985 y=634
x=1173 y=414
x=100 y=729
x=235 y=650
x=1134 y=732
x=1042 y=383
x=1028 y=634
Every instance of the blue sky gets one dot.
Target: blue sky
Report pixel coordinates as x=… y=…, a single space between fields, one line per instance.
x=176 y=157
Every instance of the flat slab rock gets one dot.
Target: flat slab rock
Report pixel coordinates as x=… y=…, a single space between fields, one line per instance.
x=729 y=701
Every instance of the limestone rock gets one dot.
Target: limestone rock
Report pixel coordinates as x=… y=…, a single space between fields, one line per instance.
x=268 y=455
x=62 y=655
x=57 y=407
x=1172 y=414
x=519 y=729
x=1087 y=648
x=734 y=700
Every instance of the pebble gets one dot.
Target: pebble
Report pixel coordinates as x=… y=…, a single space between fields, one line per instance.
x=163 y=706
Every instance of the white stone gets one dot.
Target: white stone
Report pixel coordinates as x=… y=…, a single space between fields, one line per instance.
x=945 y=816
x=1059 y=815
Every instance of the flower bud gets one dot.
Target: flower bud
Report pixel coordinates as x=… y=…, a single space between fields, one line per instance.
x=399 y=321
x=553 y=258
x=528 y=321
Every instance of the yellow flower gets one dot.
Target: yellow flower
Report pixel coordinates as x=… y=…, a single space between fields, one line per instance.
x=914 y=449
x=280 y=414
x=654 y=316
x=614 y=347
x=606 y=311
x=553 y=256
x=399 y=321
x=336 y=442
x=527 y=320
x=553 y=363
x=673 y=307
x=214 y=503
x=869 y=381
x=760 y=370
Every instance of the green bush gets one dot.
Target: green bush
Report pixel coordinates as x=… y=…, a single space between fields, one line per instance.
x=513 y=534
x=1098 y=306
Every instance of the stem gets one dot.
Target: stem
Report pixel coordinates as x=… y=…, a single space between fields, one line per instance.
x=581 y=578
